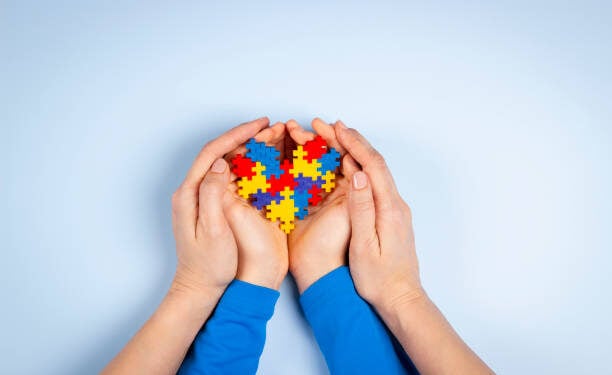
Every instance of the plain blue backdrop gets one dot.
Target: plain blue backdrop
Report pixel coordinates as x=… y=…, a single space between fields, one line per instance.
x=495 y=118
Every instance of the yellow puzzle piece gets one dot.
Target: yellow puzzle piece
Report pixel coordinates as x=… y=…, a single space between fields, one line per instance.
x=328 y=183
x=283 y=211
x=247 y=187
x=303 y=166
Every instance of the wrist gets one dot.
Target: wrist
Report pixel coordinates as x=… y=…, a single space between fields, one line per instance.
x=307 y=273
x=266 y=276
x=185 y=287
x=394 y=302
x=193 y=304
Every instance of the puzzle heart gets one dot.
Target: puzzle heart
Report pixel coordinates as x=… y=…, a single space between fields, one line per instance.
x=286 y=189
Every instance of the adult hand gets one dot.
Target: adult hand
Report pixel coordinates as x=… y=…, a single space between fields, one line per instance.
x=385 y=270
x=205 y=245
x=382 y=254
x=318 y=243
x=262 y=246
x=207 y=259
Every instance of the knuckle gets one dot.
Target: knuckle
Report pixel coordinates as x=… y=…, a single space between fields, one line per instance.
x=385 y=206
x=407 y=210
x=210 y=185
x=371 y=242
x=353 y=133
x=363 y=205
x=177 y=199
x=208 y=145
x=376 y=158
x=396 y=214
x=353 y=136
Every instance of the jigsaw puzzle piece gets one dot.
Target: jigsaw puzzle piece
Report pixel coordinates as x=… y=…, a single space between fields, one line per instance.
x=328 y=184
x=315 y=195
x=285 y=180
x=329 y=161
x=300 y=198
x=315 y=148
x=243 y=166
x=261 y=199
x=255 y=150
x=304 y=183
x=283 y=211
x=246 y=187
x=303 y=166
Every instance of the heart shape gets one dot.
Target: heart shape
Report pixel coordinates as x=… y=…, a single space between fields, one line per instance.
x=286 y=189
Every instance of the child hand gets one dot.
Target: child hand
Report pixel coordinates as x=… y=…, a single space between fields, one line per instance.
x=262 y=246
x=319 y=242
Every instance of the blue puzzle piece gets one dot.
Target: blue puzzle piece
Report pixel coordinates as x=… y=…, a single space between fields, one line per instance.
x=329 y=161
x=301 y=213
x=319 y=181
x=255 y=149
x=272 y=168
x=266 y=155
x=303 y=183
x=260 y=200
x=300 y=199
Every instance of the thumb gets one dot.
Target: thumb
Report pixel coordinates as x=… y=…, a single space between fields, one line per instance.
x=363 y=216
x=212 y=189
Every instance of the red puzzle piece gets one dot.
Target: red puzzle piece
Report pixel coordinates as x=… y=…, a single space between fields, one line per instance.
x=315 y=148
x=315 y=198
x=243 y=166
x=285 y=180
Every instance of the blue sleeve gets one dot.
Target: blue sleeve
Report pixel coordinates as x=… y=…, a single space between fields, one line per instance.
x=232 y=340
x=350 y=334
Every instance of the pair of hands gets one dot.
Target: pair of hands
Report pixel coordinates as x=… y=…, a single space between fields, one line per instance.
x=220 y=236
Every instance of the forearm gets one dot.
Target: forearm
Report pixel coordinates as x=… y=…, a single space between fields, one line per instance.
x=428 y=338
x=160 y=345
x=232 y=340
x=349 y=333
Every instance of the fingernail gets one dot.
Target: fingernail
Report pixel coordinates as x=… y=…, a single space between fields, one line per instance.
x=218 y=166
x=341 y=124
x=360 y=180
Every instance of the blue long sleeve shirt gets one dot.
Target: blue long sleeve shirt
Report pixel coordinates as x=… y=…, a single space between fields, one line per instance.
x=232 y=340
x=349 y=333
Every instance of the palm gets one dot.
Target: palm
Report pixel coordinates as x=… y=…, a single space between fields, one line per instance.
x=327 y=227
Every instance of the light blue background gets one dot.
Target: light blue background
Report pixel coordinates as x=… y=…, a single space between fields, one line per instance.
x=495 y=119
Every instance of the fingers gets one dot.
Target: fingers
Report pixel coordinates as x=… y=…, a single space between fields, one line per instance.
x=290 y=145
x=328 y=133
x=212 y=190
x=372 y=163
x=299 y=134
x=185 y=199
x=272 y=136
x=364 y=238
x=349 y=166
x=219 y=147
